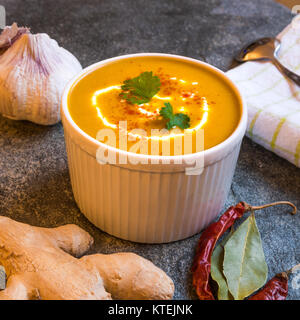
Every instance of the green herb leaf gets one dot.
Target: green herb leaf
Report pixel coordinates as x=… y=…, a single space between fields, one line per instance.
x=217 y=269
x=180 y=120
x=167 y=111
x=140 y=89
x=244 y=263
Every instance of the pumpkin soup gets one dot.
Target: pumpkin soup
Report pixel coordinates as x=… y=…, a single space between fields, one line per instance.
x=155 y=98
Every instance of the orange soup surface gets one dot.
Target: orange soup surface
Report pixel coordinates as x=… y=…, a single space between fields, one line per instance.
x=210 y=102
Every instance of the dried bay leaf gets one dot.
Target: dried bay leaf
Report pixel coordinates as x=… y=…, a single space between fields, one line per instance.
x=217 y=274
x=244 y=263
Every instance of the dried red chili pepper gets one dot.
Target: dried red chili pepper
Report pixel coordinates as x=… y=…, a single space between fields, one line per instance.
x=208 y=239
x=275 y=289
x=206 y=244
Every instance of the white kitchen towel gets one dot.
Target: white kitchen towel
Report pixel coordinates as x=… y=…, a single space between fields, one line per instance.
x=273 y=101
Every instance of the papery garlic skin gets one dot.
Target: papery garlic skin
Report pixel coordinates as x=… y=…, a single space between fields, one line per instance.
x=33 y=73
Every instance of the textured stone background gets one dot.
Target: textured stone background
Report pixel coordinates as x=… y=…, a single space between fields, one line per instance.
x=34 y=179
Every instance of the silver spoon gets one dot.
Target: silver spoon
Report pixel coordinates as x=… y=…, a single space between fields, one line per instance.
x=266 y=49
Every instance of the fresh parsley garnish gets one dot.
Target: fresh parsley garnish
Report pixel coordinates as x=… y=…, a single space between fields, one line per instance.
x=140 y=89
x=180 y=120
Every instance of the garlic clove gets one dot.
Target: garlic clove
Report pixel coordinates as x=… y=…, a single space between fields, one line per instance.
x=10 y=34
x=34 y=70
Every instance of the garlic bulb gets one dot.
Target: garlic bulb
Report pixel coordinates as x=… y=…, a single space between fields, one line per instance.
x=33 y=73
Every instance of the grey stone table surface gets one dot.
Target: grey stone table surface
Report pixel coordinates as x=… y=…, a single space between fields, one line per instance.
x=34 y=180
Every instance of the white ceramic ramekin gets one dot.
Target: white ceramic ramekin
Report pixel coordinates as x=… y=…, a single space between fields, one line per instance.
x=149 y=203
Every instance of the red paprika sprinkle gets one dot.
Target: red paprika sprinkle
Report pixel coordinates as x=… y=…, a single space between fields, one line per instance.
x=208 y=239
x=275 y=289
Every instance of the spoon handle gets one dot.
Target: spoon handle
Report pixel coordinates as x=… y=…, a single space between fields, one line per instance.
x=291 y=75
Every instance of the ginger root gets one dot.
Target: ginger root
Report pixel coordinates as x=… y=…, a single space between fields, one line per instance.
x=42 y=263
